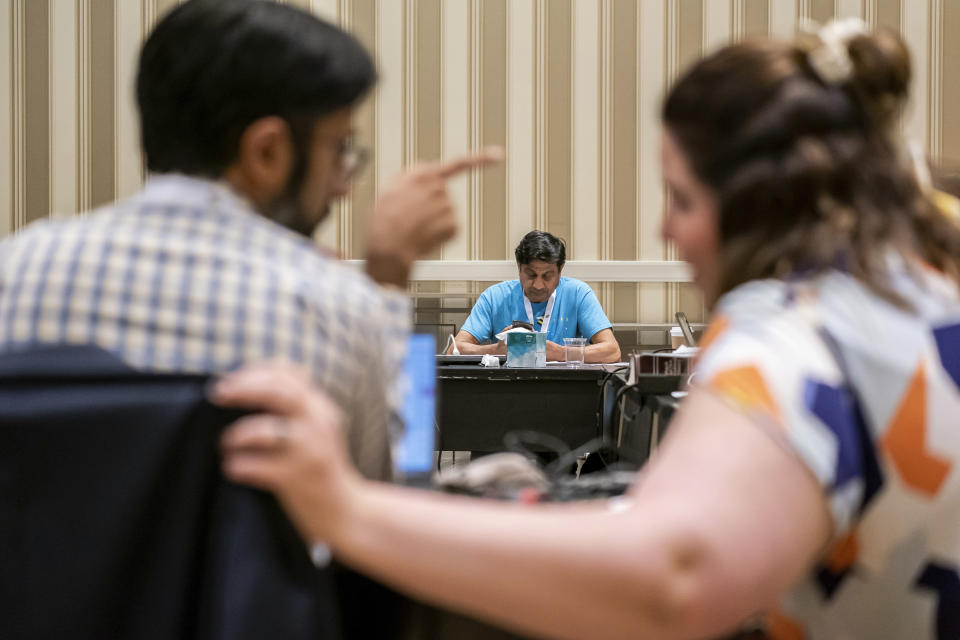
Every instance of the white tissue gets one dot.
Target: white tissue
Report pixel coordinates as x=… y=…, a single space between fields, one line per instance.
x=489 y=360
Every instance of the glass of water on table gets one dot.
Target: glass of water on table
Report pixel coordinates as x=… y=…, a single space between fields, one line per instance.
x=573 y=351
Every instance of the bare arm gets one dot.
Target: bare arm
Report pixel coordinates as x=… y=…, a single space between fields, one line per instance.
x=603 y=347
x=468 y=345
x=722 y=521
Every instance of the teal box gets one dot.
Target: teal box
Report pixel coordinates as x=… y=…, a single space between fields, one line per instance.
x=526 y=350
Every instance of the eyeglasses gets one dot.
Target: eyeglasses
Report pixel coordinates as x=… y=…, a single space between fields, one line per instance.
x=352 y=159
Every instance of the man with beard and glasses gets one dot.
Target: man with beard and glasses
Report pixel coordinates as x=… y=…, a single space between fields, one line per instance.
x=246 y=120
x=548 y=302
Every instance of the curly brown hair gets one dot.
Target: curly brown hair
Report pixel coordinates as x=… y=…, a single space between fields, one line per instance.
x=808 y=174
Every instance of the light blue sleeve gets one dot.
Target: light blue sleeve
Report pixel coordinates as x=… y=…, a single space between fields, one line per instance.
x=480 y=322
x=590 y=315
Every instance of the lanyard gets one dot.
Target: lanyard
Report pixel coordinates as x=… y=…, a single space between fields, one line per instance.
x=546 y=314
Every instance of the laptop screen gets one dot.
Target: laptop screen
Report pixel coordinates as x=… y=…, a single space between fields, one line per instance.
x=414 y=452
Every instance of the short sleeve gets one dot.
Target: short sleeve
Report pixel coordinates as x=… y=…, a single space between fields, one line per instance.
x=479 y=323
x=590 y=316
x=784 y=376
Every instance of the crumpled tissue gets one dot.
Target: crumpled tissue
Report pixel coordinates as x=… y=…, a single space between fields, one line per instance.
x=489 y=360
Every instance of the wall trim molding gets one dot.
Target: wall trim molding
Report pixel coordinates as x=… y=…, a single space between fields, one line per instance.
x=589 y=270
x=18 y=118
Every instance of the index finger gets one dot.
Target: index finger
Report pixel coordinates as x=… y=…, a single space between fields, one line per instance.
x=488 y=156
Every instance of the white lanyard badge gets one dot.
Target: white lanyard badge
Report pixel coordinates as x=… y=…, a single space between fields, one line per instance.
x=546 y=314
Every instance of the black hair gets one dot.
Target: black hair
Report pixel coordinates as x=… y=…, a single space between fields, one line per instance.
x=212 y=67
x=543 y=246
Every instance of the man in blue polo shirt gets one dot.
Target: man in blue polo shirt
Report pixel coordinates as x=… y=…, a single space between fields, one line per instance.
x=560 y=307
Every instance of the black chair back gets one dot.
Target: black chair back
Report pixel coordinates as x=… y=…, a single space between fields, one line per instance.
x=115 y=521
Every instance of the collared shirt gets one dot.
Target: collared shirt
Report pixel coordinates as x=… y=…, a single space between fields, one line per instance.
x=867 y=395
x=576 y=311
x=186 y=276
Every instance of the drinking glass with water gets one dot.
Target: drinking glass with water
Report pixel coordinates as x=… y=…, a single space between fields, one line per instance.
x=573 y=349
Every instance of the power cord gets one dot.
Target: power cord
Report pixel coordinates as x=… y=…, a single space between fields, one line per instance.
x=519 y=441
x=603 y=386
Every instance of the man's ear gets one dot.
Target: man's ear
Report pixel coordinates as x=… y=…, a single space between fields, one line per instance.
x=264 y=160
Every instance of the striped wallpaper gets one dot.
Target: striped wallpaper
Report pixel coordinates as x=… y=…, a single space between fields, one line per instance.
x=571 y=88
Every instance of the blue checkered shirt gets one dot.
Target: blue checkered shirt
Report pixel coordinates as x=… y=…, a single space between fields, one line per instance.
x=185 y=276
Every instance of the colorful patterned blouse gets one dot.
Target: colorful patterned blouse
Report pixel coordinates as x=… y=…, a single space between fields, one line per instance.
x=868 y=396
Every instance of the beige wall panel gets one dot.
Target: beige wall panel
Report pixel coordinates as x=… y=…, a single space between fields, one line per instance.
x=950 y=87
x=557 y=164
x=83 y=167
x=426 y=112
x=689 y=35
x=624 y=304
x=455 y=113
x=36 y=110
x=521 y=128
x=390 y=100
x=63 y=105
x=622 y=140
x=623 y=130
x=300 y=4
x=540 y=37
x=685 y=31
x=783 y=18
x=652 y=81
x=935 y=35
x=392 y=58
x=361 y=18
x=849 y=8
x=18 y=126
x=819 y=10
x=129 y=165
x=584 y=241
x=326 y=9
x=916 y=23
x=717 y=16
x=163 y=6
x=103 y=183
x=493 y=128
x=888 y=13
x=652 y=72
x=6 y=118
x=656 y=302
x=756 y=18
x=690 y=302
x=327 y=233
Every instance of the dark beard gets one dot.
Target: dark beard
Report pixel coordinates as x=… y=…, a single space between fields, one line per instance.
x=286 y=210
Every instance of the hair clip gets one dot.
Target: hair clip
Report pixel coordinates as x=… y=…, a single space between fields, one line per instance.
x=830 y=58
